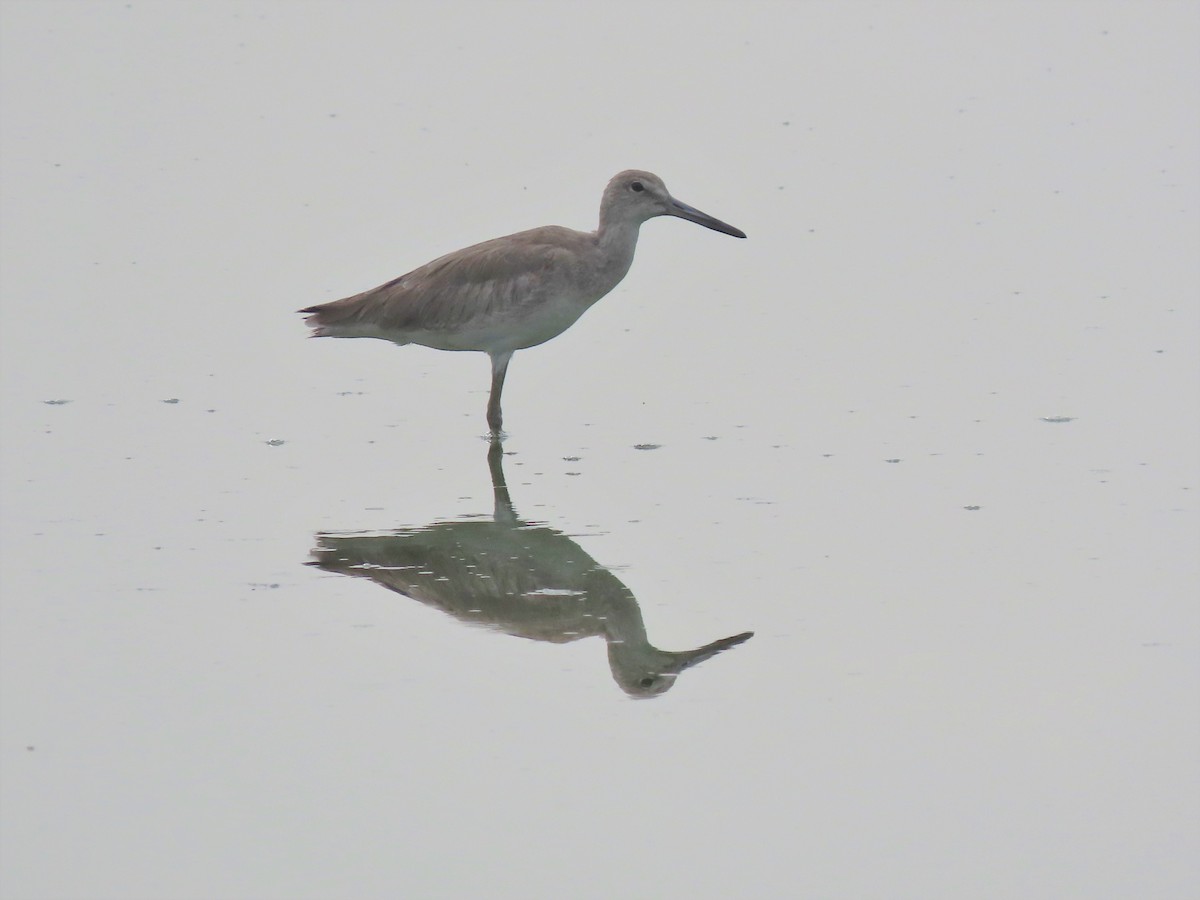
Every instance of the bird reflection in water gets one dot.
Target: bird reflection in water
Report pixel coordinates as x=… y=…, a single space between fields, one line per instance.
x=526 y=580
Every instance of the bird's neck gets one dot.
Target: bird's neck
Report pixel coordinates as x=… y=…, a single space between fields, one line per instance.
x=617 y=241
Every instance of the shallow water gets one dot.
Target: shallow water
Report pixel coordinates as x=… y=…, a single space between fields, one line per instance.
x=930 y=433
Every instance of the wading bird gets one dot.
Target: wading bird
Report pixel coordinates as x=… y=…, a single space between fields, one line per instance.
x=512 y=292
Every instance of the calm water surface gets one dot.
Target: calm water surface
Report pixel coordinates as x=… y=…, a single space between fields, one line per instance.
x=277 y=621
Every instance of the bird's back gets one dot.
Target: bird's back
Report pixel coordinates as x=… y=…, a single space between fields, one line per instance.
x=523 y=288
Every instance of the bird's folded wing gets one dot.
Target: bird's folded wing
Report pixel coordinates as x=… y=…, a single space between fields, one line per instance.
x=487 y=281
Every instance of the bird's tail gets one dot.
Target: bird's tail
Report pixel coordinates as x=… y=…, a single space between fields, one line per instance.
x=349 y=317
x=319 y=318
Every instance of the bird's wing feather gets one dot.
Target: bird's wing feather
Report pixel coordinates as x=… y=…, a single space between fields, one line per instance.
x=477 y=283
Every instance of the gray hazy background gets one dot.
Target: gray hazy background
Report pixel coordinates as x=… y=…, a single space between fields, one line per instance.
x=931 y=433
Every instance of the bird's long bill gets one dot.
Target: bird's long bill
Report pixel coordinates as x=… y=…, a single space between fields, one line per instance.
x=683 y=211
x=708 y=651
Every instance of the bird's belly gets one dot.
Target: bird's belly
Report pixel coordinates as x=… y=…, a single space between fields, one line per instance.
x=503 y=333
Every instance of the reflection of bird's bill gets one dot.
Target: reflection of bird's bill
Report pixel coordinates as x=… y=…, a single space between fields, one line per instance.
x=689 y=658
x=683 y=211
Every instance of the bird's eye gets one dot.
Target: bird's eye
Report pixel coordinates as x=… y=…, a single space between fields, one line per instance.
x=646 y=682
x=637 y=187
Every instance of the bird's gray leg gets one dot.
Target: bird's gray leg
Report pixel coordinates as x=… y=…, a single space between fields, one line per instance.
x=499 y=368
